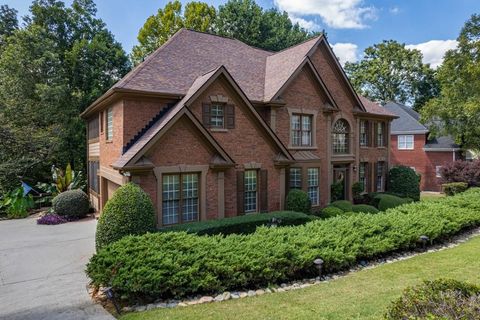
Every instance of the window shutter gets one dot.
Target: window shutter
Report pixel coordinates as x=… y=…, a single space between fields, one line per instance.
x=385 y=136
x=368 y=133
x=368 y=178
x=263 y=191
x=375 y=132
x=206 y=115
x=287 y=182
x=374 y=182
x=230 y=116
x=240 y=192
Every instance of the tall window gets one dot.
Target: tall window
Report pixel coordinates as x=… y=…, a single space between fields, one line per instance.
x=251 y=191
x=93 y=175
x=380 y=134
x=380 y=176
x=313 y=192
x=180 y=198
x=295 y=178
x=438 y=171
x=93 y=128
x=405 y=142
x=217 y=116
x=341 y=133
x=301 y=126
x=362 y=175
x=363 y=133
x=109 y=124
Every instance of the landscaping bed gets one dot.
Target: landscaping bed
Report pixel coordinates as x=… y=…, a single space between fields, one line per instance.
x=179 y=264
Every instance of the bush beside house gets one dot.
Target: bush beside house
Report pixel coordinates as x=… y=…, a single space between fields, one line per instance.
x=462 y=171
x=404 y=182
x=129 y=212
x=453 y=188
x=71 y=204
x=298 y=200
x=179 y=264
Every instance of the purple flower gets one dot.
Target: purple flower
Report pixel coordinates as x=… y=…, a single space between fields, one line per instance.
x=51 y=219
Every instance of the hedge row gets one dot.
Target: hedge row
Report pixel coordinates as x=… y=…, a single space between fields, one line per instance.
x=179 y=264
x=242 y=224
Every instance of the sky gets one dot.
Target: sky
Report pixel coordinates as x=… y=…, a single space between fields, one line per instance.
x=351 y=25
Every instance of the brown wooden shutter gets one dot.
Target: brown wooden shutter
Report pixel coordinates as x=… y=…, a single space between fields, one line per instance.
x=263 y=191
x=240 y=192
x=375 y=130
x=368 y=178
x=368 y=133
x=230 y=116
x=206 y=115
x=385 y=136
x=375 y=171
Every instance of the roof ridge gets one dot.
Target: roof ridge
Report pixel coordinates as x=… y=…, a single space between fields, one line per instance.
x=298 y=44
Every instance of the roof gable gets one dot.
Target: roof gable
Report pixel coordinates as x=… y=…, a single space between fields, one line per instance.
x=407 y=121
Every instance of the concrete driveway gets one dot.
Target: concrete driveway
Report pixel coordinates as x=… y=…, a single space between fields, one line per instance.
x=42 y=271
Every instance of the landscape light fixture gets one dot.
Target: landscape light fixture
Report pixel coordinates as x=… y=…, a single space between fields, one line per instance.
x=111 y=296
x=424 y=239
x=319 y=265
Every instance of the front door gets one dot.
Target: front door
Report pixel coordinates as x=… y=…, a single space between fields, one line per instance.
x=339 y=188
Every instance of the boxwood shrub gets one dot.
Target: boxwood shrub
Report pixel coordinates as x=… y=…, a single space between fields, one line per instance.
x=71 y=204
x=405 y=182
x=298 y=200
x=129 y=211
x=388 y=201
x=453 y=188
x=438 y=299
x=331 y=211
x=179 y=264
x=364 y=208
x=344 y=205
x=242 y=224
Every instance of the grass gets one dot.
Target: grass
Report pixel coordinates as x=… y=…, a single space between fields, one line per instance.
x=426 y=196
x=361 y=295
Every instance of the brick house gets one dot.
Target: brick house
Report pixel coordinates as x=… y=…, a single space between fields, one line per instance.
x=411 y=147
x=210 y=127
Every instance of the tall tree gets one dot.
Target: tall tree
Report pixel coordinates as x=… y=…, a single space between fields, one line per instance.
x=8 y=23
x=456 y=110
x=391 y=72
x=199 y=16
x=50 y=71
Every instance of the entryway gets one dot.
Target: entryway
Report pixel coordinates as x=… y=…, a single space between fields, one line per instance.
x=340 y=185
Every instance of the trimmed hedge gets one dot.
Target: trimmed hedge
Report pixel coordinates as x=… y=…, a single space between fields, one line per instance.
x=179 y=264
x=242 y=224
x=298 y=200
x=129 y=212
x=331 y=211
x=453 y=188
x=387 y=201
x=71 y=204
x=344 y=205
x=405 y=182
x=364 y=208
x=439 y=299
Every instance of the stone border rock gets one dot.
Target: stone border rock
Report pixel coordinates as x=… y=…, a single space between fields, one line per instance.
x=288 y=286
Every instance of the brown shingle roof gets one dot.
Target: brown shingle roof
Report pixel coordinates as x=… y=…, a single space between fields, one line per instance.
x=372 y=107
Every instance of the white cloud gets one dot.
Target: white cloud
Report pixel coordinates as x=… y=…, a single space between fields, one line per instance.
x=434 y=50
x=340 y=14
x=394 y=10
x=305 y=24
x=346 y=52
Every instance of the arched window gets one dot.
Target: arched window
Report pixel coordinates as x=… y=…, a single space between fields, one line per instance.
x=341 y=132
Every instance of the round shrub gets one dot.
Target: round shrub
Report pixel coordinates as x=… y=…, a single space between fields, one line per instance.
x=129 y=212
x=388 y=201
x=297 y=200
x=344 y=205
x=453 y=188
x=364 y=208
x=439 y=299
x=331 y=211
x=404 y=181
x=71 y=204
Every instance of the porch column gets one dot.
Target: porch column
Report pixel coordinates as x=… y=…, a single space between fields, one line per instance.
x=282 y=188
x=329 y=156
x=221 y=194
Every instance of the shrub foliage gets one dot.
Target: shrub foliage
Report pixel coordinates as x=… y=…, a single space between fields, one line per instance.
x=297 y=200
x=439 y=299
x=453 y=188
x=344 y=205
x=404 y=181
x=71 y=204
x=129 y=212
x=388 y=201
x=179 y=264
x=364 y=208
x=462 y=171
x=242 y=224
x=331 y=211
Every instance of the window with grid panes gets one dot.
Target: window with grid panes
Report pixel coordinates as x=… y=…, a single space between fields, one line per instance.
x=180 y=201
x=380 y=175
x=340 y=134
x=362 y=175
x=363 y=133
x=405 y=142
x=251 y=191
x=301 y=130
x=380 y=134
x=313 y=191
x=109 y=133
x=295 y=179
x=217 y=116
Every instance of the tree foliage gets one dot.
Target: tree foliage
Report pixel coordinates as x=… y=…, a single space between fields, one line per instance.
x=8 y=23
x=456 y=111
x=391 y=72
x=244 y=20
x=50 y=71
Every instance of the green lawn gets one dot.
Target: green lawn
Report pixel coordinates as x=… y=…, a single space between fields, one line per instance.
x=425 y=196
x=362 y=295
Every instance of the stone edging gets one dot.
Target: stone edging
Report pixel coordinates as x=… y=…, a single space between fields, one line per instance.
x=294 y=285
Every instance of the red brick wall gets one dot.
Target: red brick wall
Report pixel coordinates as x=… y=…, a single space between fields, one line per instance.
x=424 y=162
x=246 y=143
x=111 y=150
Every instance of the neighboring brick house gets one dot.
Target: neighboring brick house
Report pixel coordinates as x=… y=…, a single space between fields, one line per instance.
x=210 y=127
x=411 y=147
